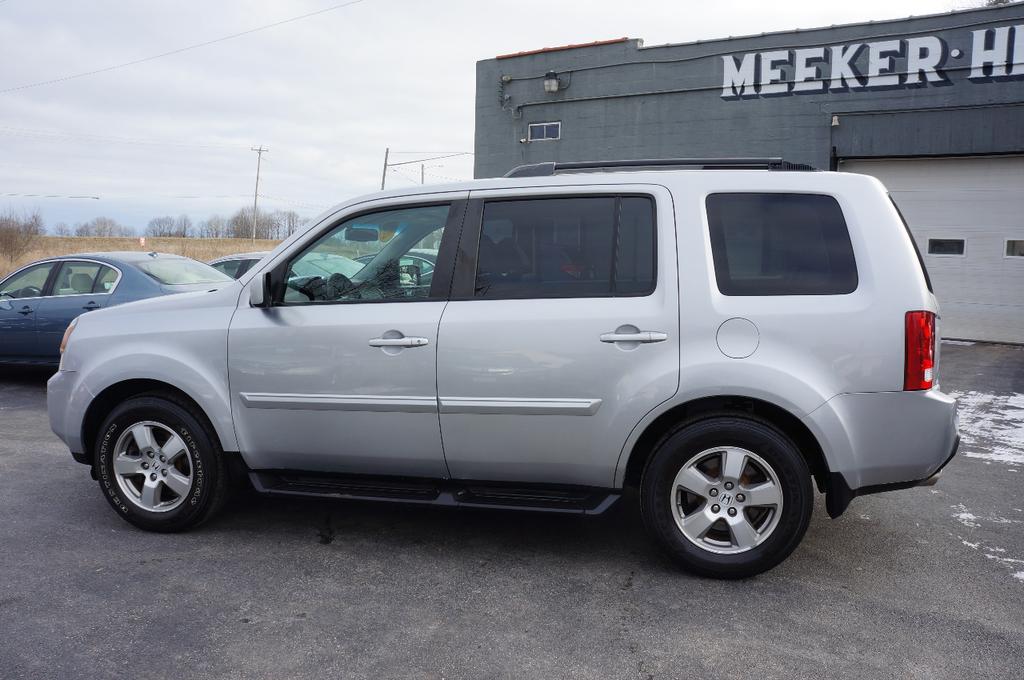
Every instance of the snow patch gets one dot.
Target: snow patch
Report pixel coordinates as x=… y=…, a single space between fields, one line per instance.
x=995 y=554
x=992 y=426
x=969 y=519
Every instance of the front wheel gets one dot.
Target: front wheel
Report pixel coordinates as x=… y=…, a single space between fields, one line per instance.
x=158 y=465
x=727 y=497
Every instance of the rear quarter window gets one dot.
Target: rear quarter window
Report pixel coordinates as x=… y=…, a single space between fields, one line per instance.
x=780 y=244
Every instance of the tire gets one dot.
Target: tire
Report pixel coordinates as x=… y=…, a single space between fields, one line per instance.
x=751 y=520
x=179 y=491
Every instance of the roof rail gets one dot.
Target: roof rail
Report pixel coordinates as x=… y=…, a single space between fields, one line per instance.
x=550 y=168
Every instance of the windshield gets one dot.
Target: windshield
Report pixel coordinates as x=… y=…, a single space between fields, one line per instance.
x=181 y=271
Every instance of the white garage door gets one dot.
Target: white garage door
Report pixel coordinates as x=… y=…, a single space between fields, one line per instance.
x=967 y=215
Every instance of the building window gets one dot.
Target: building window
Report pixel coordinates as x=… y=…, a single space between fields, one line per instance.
x=946 y=246
x=780 y=244
x=542 y=132
x=1015 y=247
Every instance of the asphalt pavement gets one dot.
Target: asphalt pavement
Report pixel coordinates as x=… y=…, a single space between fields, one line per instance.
x=921 y=583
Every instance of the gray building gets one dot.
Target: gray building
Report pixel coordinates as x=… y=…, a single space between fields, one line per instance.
x=932 y=105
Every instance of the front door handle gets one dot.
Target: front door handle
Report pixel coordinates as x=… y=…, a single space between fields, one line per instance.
x=25 y=311
x=637 y=336
x=90 y=306
x=399 y=342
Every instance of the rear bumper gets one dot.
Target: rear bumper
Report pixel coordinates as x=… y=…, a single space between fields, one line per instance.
x=838 y=494
x=883 y=441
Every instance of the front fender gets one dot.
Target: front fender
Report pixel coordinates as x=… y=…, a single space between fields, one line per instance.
x=172 y=340
x=210 y=394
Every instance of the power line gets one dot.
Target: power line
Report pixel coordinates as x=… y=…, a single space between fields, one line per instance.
x=88 y=137
x=404 y=176
x=450 y=179
x=427 y=153
x=180 y=49
x=93 y=198
x=300 y=204
x=432 y=158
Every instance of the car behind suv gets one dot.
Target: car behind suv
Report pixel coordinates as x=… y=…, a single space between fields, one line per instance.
x=722 y=337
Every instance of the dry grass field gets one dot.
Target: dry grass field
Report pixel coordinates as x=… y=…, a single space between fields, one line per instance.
x=202 y=249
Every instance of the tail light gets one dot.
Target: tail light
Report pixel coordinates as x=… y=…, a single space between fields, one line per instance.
x=919 y=368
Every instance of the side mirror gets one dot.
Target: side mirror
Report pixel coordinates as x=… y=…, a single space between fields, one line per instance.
x=259 y=291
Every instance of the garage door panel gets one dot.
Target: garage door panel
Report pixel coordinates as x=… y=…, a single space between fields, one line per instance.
x=979 y=200
x=950 y=212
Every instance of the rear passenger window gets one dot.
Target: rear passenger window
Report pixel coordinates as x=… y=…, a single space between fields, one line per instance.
x=75 y=278
x=780 y=244
x=601 y=246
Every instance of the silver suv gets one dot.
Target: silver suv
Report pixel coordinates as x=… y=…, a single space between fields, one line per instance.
x=718 y=337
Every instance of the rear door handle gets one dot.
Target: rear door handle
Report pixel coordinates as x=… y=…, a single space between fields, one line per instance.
x=90 y=306
x=25 y=311
x=639 y=336
x=399 y=342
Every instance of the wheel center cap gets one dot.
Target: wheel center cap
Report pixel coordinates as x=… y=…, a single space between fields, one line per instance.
x=725 y=498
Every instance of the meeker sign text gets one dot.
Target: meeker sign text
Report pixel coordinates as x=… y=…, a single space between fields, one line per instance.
x=996 y=54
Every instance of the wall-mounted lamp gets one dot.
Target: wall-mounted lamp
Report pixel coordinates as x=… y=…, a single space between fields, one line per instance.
x=835 y=120
x=551 y=84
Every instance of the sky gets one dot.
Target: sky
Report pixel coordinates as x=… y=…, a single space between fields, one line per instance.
x=326 y=95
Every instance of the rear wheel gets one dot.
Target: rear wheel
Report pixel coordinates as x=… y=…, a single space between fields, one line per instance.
x=158 y=464
x=727 y=497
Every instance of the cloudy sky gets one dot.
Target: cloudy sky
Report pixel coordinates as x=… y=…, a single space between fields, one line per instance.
x=326 y=94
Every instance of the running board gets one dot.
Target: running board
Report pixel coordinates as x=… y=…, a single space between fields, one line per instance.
x=495 y=495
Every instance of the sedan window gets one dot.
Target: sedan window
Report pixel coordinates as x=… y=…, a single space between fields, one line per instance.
x=28 y=283
x=75 y=278
x=106 y=280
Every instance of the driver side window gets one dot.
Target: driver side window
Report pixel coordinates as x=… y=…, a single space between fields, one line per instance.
x=28 y=283
x=367 y=258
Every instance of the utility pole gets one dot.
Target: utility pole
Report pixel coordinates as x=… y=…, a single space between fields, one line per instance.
x=384 y=173
x=255 y=194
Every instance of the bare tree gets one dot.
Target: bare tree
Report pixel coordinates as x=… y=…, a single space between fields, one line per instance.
x=160 y=226
x=290 y=221
x=104 y=227
x=240 y=224
x=213 y=227
x=183 y=226
x=61 y=229
x=19 y=233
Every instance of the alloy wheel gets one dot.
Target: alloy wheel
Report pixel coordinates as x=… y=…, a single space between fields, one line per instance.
x=153 y=466
x=726 y=500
